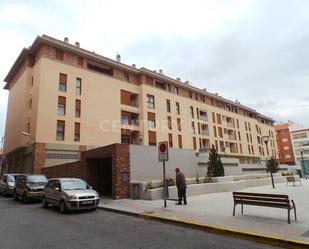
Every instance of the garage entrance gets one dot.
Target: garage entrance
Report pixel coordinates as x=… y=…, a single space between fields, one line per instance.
x=101 y=169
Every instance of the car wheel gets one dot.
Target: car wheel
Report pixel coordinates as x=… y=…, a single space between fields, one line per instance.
x=25 y=198
x=44 y=203
x=63 y=207
x=15 y=197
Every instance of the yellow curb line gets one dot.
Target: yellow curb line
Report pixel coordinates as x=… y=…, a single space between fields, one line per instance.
x=266 y=239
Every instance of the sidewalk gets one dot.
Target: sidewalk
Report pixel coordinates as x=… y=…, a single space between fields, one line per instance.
x=214 y=211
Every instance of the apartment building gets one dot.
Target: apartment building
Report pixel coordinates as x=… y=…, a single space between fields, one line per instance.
x=64 y=100
x=300 y=141
x=285 y=147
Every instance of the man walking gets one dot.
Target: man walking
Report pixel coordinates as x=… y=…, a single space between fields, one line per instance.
x=181 y=187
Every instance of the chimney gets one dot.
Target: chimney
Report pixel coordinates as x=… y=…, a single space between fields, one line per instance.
x=66 y=39
x=118 y=58
x=186 y=82
x=77 y=44
x=178 y=79
x=133 y=65
x=160 y=71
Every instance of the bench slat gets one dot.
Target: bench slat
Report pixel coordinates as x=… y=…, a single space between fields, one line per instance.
x=260 y=194
x=240 y=197
x=266 y=204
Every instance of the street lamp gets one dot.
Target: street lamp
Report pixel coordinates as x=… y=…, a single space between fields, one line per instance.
x=27 y=135
x=302 y=161
x=265 y=139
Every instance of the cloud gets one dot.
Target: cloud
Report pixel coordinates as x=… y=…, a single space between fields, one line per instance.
x=255 y=51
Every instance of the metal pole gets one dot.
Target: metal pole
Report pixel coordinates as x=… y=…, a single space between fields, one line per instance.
x=271 y=173
x=303 y=164
x=164 y=185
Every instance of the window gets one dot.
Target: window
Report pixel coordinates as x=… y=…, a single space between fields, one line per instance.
x=176 y=90
x=61 y=105
x=170 y=140
x=286 y=147
x=218 y=118
x=179 y=124
x=125 y=118
x=168 y=105
x=179 y=141
x=284 y=140
x=177 y=108
x=32 y=81
x=169 y=122
x=60 y=130
x=152 y=139
x=77 y=132
x=78 y=86
x=194 y=143
x=80 y=61
x=126 y=76
x=77 y=108
x=190 y=95
x=30 y=104
x=192 y=111
x=287 y=156
x=150 y=101
x=151 y=120
x=193 y=127
x=62 y=82
x=59 y=54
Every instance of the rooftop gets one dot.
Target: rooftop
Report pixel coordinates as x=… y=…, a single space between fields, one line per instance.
x=44 y=39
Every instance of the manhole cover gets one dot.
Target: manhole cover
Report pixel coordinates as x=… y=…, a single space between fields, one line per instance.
x=306 y=234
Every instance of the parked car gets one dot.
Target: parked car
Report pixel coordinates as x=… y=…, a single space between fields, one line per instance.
x=7 y=184
x=69 y=194
x=29 y=187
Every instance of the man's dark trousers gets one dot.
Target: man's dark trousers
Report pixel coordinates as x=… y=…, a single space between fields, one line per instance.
x=182 y=195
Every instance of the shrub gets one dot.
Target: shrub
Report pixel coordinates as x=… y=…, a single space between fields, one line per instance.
x=215 y=166
x=197 y=178
x=170 y=181
x=272 y=165
x=148 y=186
x=207 y=179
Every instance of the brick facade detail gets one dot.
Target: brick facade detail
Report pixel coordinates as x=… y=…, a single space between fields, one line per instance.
x=120 y=163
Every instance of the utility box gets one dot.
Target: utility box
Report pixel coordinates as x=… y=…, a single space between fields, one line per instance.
x=135 y=190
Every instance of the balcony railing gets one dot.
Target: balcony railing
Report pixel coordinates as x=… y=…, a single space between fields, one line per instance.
x=205 y=132
x=228 y=124
x=204 y=118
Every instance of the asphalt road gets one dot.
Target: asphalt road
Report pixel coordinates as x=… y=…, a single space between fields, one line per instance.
x=30 y=226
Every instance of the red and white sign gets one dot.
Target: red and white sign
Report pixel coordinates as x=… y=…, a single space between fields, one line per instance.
x=163 y=151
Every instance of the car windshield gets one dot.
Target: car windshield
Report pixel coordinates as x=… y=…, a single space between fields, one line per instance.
x=37 y=179
x=74 y=185
x=12 y=178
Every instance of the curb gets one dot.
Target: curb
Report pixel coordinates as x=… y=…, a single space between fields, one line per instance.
x=265 y=239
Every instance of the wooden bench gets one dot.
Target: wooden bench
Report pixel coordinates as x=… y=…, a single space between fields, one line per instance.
x=266 y=200
x=293 y=179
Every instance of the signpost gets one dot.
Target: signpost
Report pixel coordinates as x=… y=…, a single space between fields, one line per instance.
x=163 y=157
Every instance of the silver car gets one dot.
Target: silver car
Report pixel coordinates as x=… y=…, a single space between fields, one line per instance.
x=7 y=184
x=69 y=194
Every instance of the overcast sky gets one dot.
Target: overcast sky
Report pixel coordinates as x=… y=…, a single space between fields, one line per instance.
x=254 y=51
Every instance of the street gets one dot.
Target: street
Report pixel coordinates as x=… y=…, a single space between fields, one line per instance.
x=30 y=226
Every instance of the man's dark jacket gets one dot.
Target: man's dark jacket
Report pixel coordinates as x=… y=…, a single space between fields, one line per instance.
x=181 y=181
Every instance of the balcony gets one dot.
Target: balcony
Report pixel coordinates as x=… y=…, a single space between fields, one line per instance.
x=130 y=137
x=129 y=120
x=203 y=116
x=129 y=98
x=205 y=132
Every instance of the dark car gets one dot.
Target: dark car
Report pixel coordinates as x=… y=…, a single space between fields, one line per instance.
x=7 y=184
x=29 y=187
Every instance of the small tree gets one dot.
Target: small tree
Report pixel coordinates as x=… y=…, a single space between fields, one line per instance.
x=215 y=165
x=272 y=165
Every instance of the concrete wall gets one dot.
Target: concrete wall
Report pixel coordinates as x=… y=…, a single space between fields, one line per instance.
x=145 y=165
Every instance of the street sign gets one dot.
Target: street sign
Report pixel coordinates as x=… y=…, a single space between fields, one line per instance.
x=163 y=151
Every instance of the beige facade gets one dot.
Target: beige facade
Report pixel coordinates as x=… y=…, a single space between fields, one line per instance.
x=114 y=107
